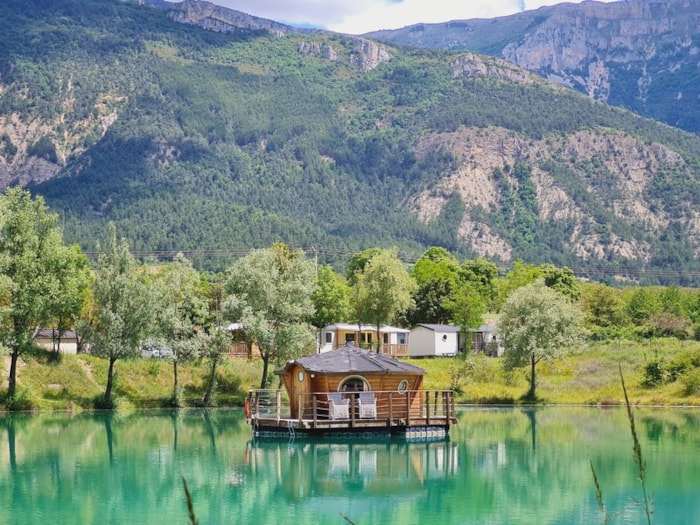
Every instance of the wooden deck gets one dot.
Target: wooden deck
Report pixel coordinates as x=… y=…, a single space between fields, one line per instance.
x=414 y=414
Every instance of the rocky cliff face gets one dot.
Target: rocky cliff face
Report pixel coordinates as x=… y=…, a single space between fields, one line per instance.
x=640 y=54
x=366 y=54
x=221 y=19
x=33 y=151
x=585 y=45
x=628 y=166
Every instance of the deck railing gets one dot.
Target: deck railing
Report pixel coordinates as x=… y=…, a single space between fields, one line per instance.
x=391 y=349
x=238 y=350
x=391 y=407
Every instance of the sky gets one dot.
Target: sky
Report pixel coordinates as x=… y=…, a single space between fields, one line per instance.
x=357 y=17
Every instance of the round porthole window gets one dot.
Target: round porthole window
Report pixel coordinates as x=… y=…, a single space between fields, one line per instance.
x=300 y=376
x=403 y=386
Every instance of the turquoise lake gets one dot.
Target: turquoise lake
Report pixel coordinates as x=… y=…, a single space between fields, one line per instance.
x=499 y=467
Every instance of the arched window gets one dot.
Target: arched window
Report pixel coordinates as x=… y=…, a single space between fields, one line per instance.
x=354 y=384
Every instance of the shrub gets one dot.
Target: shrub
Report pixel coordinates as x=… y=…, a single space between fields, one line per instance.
x=20 y=402
x=177 y=400
x=691 y=382
x=682 y=363
x=654 y=372
x=100 y=403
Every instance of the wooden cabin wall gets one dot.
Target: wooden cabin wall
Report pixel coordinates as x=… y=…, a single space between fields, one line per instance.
x=322 y=383
x=378 y=383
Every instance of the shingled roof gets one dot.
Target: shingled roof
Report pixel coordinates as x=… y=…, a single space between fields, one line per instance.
x=351 y=359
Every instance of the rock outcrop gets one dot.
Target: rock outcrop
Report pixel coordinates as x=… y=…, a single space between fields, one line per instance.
x=221 y=19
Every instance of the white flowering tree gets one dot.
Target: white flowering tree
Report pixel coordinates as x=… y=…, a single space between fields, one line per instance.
x=538 y=323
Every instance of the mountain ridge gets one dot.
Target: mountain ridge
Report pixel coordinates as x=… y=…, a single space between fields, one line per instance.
x=637 y=54
x=195 y=140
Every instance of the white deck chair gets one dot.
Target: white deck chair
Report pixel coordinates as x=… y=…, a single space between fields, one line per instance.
x=337 y=406
x=368 y=405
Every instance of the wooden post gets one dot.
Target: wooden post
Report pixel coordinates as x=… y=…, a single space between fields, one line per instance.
x=408 y=408
x=301 y=408
x=391 y=410
x=427 y=407
x=352 y=410
x=315 y=408
x=278 y=402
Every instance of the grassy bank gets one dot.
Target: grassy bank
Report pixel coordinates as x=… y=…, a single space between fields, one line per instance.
x=74 y=382
x=586 y=376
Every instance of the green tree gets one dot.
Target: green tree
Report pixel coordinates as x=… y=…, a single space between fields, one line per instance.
x=562 y=280
x=331 y=298
x=182 y=314
x=36 y=270
x=124 y=307
x=383 y=289
x=357 y=263
x=520 y=275
x=435 y=263
x=643 y=304
x=214 y=345
x=537 y=323
x=431 y=303
x=435 y=273
x=467 y=307
x=603 y=306
x=482 y=274
x=269 y=292
x=73 y=291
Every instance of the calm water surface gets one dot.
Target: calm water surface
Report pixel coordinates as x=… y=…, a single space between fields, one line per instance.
x=499 y=467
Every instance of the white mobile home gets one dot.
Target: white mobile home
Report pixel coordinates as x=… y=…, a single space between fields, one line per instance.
x=434 y=340
x=394 y=340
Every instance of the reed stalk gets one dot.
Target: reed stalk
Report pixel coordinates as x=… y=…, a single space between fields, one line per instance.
x=637 y=452
x=599 y=496
x=190 y=506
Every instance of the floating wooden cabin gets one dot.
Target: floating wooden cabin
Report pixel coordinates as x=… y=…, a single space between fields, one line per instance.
x=350 y=391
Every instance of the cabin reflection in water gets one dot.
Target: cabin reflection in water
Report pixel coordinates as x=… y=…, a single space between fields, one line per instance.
x=321 y=468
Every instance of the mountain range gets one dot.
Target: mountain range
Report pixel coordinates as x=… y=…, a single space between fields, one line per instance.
x=638 y=54
x=200 y=129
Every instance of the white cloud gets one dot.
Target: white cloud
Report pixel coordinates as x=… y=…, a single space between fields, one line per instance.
x=362 y=16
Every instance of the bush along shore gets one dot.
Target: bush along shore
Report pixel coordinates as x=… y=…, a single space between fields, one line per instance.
x=657 y=372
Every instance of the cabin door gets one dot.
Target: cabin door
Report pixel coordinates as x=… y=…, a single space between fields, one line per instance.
x=298 y=395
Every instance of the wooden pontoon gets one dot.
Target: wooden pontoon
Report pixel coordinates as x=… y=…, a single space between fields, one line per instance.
x=351 y=392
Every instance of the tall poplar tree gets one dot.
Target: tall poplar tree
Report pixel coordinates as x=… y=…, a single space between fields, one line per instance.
x=35 y=271
x=382 y=290
x=124 y=307
x=538 y=323
x=182 y=314
x=269 y=292
x=331 y=299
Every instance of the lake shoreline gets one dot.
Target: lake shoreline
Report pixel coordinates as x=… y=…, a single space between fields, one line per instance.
x=586 y=377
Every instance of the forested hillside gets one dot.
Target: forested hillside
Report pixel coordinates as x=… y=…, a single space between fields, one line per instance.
x=195 y=140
